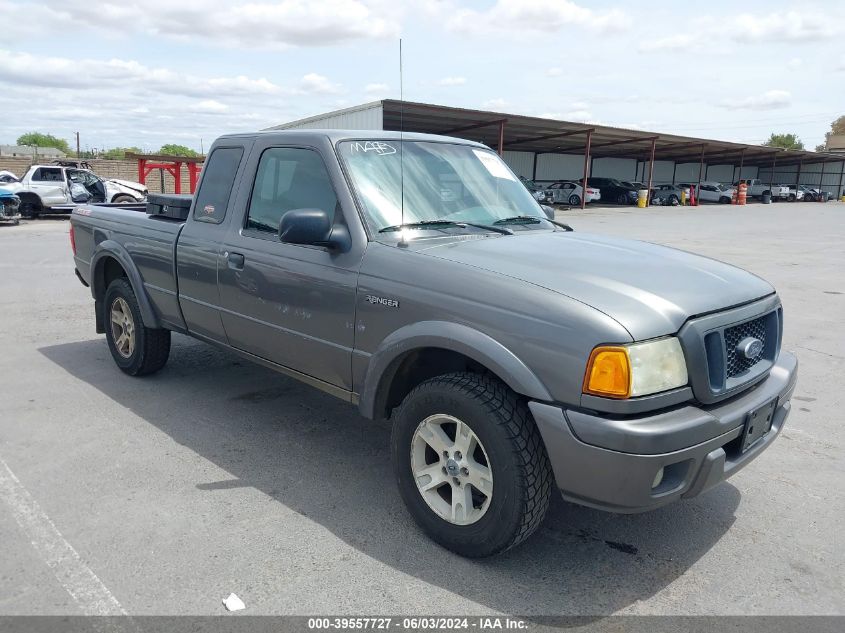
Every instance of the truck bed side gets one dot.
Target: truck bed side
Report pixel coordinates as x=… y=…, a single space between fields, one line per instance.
x=143 y=246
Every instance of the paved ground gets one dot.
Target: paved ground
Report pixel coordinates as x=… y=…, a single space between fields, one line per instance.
x=165 y=494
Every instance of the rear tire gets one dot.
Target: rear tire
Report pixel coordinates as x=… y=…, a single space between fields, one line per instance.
x=622 y=199
x=499 y=426
x=123 y=199
x=137 y=350
x=575 y=200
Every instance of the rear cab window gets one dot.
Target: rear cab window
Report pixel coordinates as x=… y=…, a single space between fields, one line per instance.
x=48 y=174
x=218 y=179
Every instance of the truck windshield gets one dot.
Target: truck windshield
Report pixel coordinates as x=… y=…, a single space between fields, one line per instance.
x=455 y=184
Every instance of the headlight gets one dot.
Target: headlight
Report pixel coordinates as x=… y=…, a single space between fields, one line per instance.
x=639 y=369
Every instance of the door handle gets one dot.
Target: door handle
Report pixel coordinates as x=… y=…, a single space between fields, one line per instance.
x=236 y=261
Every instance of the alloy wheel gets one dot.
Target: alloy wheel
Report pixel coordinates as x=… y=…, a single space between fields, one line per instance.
x=451 y=469
x=122 y=327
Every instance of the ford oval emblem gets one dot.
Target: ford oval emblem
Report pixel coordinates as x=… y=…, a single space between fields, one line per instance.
x=749 y=347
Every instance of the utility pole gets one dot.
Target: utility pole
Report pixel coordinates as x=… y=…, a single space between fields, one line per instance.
x=77 y=146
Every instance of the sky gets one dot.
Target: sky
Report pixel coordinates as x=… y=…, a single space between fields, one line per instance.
x=132 y=73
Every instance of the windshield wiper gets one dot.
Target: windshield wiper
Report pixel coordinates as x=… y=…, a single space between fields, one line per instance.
x=532 y=219
x=427 y=224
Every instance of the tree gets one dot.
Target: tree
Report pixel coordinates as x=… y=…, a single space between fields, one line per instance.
x=39 y=139
x=838 y=126
x=787 y=141
x=821 y=148
x=177 y=150
x=119 y=153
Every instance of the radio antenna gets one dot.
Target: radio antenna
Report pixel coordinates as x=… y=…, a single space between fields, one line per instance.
x=401 y=146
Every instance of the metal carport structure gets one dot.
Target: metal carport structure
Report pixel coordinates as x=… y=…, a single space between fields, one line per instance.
x=542 y=137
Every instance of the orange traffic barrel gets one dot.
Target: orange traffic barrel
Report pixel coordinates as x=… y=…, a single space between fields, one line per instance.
x=743 y=193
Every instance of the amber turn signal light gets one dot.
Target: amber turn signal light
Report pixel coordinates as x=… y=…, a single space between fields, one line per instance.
x=608 y=373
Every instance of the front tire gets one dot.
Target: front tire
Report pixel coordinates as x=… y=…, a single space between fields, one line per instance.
x=622 y=199
x=137 y=350
x=123 y=199
x=30 y=206
x=470 y=464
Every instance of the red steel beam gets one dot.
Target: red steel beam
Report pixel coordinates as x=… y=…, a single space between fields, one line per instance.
x=586 y=170
x=549 y=136
x=650 y=173
x=475 y=126
x=501 y=138
x=640 y=139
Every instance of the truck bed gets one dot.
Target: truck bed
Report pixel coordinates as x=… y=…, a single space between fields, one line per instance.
x=150 y=241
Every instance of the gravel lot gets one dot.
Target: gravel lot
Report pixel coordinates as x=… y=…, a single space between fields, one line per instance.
x=216 y=476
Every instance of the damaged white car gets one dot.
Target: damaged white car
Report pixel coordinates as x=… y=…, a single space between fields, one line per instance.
x=48 y=189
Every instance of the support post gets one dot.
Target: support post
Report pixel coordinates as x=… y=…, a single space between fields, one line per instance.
x=841 y=173
x=586 y=170
x=700 y=170
x=772 y=177
x=534 y=168
x=798 y=178
x=650 y=174
x=501 y=138
x=821 y=182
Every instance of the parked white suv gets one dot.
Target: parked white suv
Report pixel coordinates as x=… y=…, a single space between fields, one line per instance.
x=58 y=189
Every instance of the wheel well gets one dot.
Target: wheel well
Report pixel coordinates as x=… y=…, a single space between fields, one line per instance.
x=108 y=270
x=28 y=196
x=416 y=366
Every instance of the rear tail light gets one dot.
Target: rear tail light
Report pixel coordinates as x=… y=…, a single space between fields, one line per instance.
x=72 y=239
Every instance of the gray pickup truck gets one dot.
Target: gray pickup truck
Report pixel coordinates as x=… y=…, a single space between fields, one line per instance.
x=415 y=277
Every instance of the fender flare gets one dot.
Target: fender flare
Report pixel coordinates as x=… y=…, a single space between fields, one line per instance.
x=111 y=248
x=455 y=337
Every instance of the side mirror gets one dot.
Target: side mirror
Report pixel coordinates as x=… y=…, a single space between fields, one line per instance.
x=314 y=227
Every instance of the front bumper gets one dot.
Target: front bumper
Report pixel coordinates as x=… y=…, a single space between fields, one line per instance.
x=611 y=463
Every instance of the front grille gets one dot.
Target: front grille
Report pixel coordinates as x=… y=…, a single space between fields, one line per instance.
x=716 y=368
x=736 y=364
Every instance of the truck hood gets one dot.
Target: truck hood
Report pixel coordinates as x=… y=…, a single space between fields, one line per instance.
x=650 y=290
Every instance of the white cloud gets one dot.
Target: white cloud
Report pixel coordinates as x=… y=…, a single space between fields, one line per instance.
x=312 y=83
x=579 y=116
x=554 y=72
x=792 y=26
x=711 y=33
x=376 y=89
x=495 y=104
x=255 y=24
x=452 y=81
x=61 y=72
x=540 y=16
x=770 y=100
x=211 y=106
x=668 y=43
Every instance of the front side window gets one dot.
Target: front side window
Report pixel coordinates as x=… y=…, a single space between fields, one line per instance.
x=289 y=178
x=404 y=182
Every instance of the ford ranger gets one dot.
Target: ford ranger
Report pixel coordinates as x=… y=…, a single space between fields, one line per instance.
x=415 y=277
